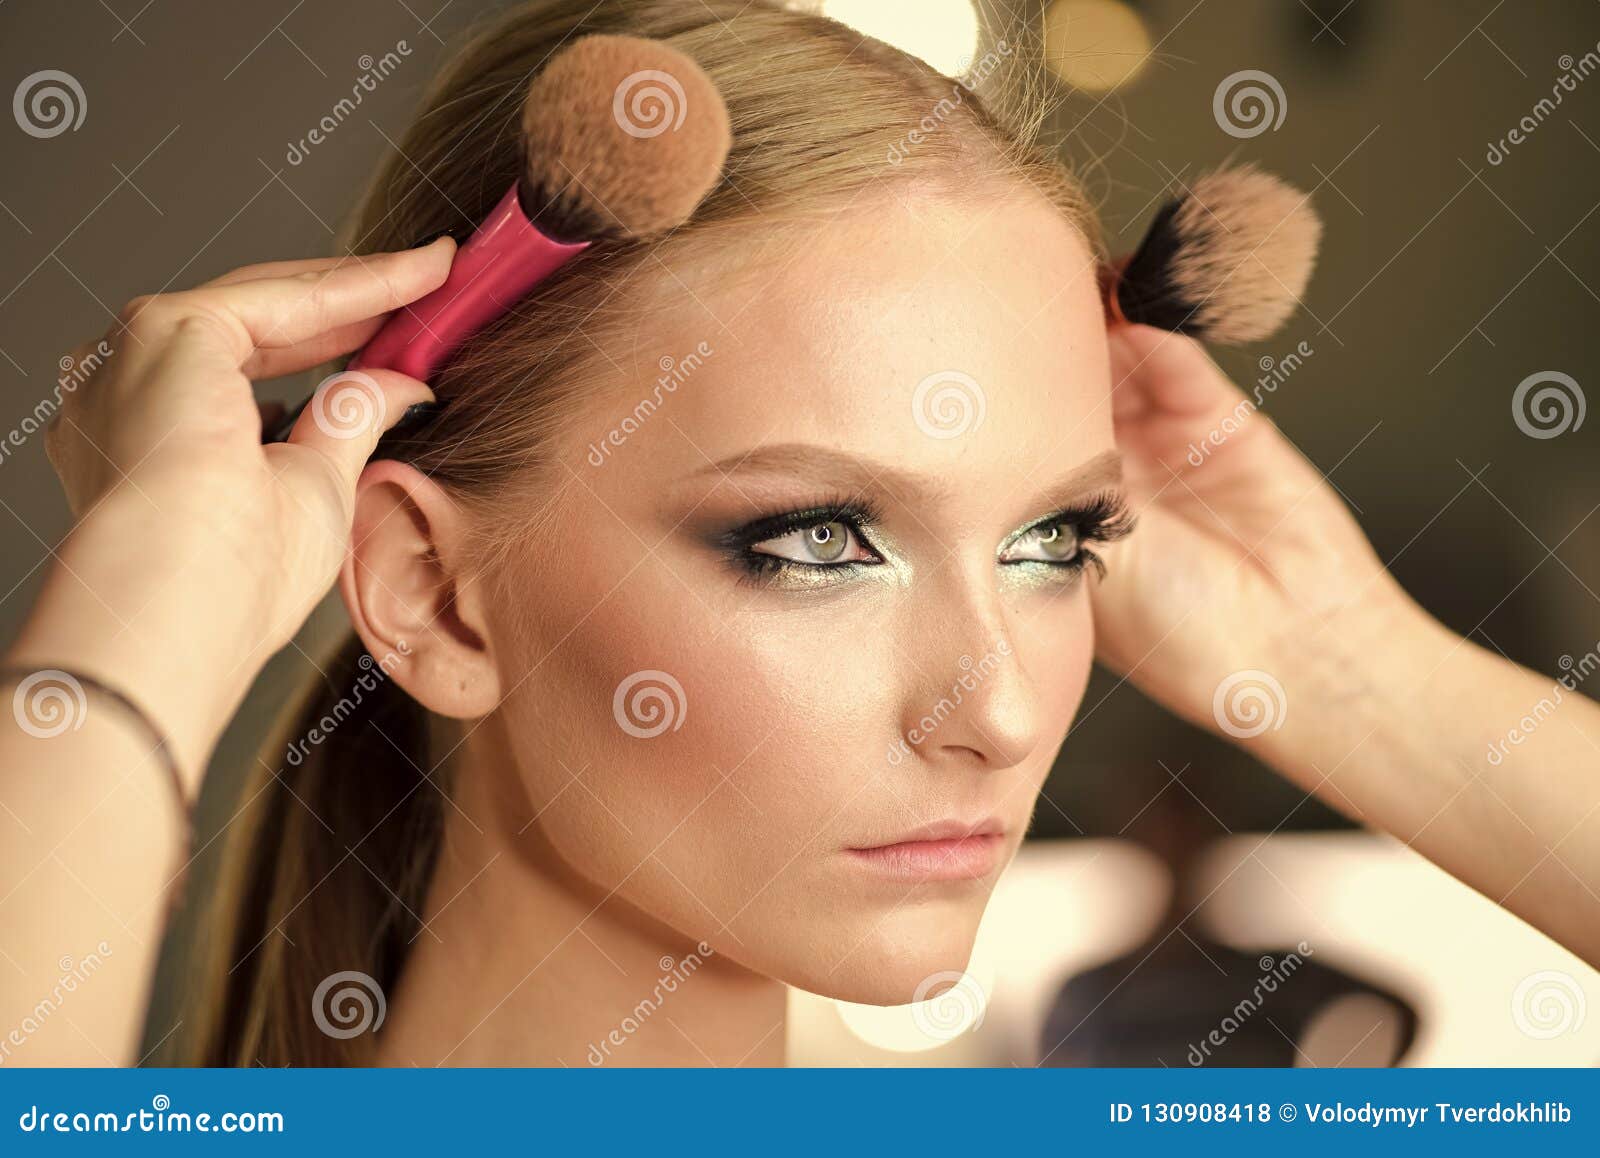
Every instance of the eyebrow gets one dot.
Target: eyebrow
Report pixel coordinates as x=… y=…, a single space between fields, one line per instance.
x=829 y=467
x=1096 y=476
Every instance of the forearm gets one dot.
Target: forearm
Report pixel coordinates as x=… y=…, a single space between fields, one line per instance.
x=91 y=852
x=1400 y=723
x=134 y=599
x=92 y=820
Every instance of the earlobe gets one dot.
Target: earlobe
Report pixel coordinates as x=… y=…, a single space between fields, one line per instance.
x=409 y=595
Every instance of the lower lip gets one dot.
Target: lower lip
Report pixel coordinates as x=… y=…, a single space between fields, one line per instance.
x=956 y=859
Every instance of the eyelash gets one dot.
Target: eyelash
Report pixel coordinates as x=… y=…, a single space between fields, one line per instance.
x=856 y=514
x=1104 y=518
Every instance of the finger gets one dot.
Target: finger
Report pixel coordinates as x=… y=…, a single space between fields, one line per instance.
x=281 y=312
x=287 y=268
x=264 y=364
x=1168 y=371
x=349 y=412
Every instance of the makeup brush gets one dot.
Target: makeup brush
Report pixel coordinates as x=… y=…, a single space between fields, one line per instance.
x=622 y=137
x=1225 y=262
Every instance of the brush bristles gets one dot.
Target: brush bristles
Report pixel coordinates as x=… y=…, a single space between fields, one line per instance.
x=623 y=137
x=1225 y=262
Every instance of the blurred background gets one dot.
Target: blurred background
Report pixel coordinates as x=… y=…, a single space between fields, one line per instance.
x=1178 y=904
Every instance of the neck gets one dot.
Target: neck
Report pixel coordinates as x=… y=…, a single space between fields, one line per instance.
x=523 y=962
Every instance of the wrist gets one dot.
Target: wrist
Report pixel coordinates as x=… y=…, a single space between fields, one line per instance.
x=1353 y=689
x=137 y=602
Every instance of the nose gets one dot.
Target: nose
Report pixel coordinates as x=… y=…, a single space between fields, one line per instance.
x=972 y=700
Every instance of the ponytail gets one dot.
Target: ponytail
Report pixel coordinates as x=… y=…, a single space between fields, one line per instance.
x=329 y=878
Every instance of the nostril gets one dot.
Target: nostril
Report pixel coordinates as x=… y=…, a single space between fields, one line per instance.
x=963 y=751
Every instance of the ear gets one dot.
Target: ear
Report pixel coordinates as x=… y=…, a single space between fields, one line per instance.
x=408 y=596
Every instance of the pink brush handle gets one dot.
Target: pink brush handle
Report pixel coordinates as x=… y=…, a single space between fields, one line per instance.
x=503 y=259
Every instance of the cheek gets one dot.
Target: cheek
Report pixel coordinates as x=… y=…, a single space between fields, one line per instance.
x=1074 y=651
x=1055 y=646
x=661 y=719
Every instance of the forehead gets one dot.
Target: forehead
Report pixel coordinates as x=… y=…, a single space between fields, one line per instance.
x=934 y=333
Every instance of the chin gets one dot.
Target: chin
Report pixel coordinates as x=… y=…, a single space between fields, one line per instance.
x=885 y=959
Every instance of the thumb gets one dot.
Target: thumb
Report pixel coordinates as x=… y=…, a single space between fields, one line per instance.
x=349 y=413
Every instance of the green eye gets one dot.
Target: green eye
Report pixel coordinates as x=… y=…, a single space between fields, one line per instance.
x=819 y=545
x=1047 y=543
x=827 y=542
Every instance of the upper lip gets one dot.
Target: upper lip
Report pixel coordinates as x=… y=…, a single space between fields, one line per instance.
x=943 y=830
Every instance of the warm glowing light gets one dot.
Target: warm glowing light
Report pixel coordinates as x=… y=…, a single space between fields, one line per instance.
x=942 y=32
x=957 y=1006
x=1063 y=906
x=1095 y=45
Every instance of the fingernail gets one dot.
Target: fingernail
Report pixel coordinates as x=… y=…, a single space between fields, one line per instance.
x=418 y=412
x=433 y=237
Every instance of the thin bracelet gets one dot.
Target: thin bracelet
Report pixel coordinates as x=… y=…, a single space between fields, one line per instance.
x=76 y=683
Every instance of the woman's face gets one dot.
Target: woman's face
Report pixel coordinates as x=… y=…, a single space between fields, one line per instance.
x=813 y=603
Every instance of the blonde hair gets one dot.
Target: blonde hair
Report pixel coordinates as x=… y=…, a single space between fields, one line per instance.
x=819 y=117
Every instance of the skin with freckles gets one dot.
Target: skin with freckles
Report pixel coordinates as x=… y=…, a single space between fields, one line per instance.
x=907 y=651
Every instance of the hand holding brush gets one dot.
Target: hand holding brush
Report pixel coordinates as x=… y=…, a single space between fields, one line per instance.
x=596 y=167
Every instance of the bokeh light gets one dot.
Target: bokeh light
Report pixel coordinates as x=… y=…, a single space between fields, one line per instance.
x=1095 y=45
x=942 y=32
